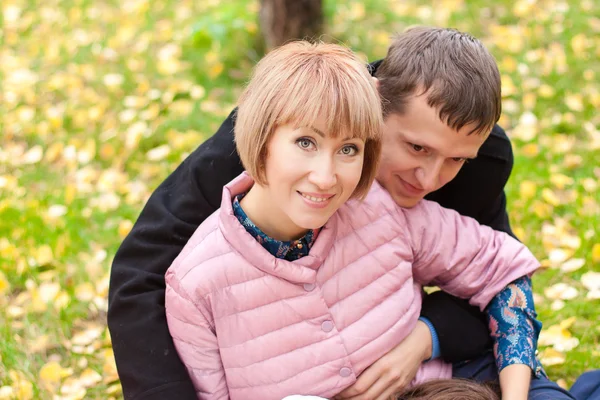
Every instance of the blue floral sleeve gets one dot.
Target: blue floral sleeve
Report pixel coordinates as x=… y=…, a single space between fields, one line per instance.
x=514 y=326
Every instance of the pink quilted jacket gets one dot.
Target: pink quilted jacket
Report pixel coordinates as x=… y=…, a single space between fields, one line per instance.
x=250 y=326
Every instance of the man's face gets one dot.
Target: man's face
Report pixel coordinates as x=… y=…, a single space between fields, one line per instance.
x=421 y=153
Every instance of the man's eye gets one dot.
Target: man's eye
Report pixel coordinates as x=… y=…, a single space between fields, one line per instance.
x=460 y=159
x=416 y=147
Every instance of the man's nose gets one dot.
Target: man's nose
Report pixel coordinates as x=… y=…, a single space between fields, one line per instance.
x=429 y=175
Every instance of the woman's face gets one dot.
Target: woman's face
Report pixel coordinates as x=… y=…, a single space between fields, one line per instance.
x=310 y=175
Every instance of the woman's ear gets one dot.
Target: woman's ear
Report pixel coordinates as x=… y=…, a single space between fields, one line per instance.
x=376 y=82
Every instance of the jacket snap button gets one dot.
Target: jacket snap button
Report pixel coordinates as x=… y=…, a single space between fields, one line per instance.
x=309 y=287
x=345 y=372
x=327 y=326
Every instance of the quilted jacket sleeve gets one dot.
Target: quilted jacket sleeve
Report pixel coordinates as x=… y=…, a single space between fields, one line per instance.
x=461 y=256
x=191 y=325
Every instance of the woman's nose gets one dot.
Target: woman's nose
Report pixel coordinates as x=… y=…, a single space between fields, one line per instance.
x=323 y=174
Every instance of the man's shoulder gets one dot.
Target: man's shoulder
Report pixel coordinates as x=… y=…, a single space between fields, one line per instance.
x=497 y=145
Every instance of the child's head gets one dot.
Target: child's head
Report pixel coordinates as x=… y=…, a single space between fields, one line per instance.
x=450 y=389
x=302 y=85
x=458 y=74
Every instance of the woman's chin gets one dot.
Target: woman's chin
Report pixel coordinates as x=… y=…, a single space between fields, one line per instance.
x=311 y=223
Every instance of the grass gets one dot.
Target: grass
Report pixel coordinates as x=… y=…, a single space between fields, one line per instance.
x=101 y=101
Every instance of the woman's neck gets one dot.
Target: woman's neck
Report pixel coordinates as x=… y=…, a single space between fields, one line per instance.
x=268 y=217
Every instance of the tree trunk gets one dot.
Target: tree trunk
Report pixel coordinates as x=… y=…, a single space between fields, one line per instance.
x=285 y=20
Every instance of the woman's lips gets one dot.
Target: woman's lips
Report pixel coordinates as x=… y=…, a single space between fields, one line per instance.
x=316 y=200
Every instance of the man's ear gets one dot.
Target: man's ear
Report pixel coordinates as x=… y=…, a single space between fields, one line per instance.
x=376 y=82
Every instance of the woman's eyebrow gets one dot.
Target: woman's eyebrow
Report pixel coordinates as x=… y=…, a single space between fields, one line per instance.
x=323 y=135
x=317 y=131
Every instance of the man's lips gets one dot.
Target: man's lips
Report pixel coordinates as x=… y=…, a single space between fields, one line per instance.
x=411 y=188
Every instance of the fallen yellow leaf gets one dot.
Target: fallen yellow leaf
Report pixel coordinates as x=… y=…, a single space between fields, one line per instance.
x=48 y=291
x=560 y=180
x=114 y=389
x=531 y=150
x=22 y=388
x=73 y=389
x=34 y=155
x=113 y=81
x=62 y=300
x=559 y=256
x=89 y=378
x=39 y=344
x=522 y=8
x=572 y=265
x=54 y=151
x=550 y=197
x=51 y=372
x=215 y=70
x=596 y=253
x=551 y=357
x=158 y=153
x=43 y=255
x=109 y=369
x=591 y=281
x=567 y=323
x=85 y=292
x=542 y=210
x=4 y=284
x=559 y=337
x=107 y=151
x=561 y=291
x=574 y=102
x=86 y=337
x=546 y=91
x=590 y=185
x=7 y=393
x=527 y=189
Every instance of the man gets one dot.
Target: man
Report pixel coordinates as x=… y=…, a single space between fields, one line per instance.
x=439 y=107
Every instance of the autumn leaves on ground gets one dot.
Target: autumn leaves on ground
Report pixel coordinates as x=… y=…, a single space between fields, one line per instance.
x=101 y=100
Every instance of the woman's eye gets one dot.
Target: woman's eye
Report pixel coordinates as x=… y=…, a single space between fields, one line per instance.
x=304 y=143
x=349 y=150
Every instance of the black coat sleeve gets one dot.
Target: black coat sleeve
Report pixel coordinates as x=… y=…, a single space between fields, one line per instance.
x=147 y=362
x=477 y=192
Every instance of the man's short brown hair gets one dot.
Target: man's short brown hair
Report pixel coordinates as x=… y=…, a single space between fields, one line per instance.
x=456 y=72
x=299 y=83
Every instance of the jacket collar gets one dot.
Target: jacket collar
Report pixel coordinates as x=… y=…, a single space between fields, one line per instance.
x=303 y=270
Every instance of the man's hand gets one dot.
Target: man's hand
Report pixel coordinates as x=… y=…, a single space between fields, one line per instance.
x=393 y=371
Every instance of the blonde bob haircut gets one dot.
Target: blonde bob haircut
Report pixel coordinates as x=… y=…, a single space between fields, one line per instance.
x=299 y=83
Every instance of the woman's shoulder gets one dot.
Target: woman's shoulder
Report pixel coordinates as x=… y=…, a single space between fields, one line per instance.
x=375 y=211
x=205 y=248
x=379 y=204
